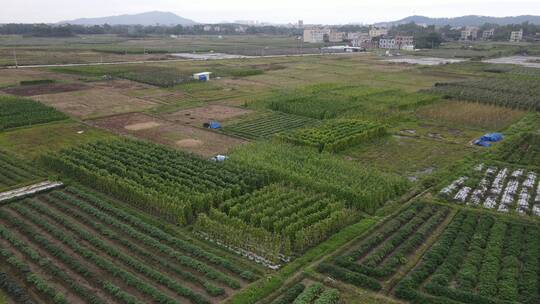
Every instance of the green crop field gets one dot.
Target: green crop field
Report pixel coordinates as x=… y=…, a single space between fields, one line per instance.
x=335 y=135
x=267 y=125
x=19 y=112
x=277 y=220
x=478 y=259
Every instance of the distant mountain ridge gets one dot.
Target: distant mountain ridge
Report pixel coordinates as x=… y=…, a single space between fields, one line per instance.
x=470 y=20
x=148 y=18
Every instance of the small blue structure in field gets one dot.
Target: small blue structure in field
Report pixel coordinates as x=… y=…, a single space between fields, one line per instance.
x=492 y=137
x=204 y=76
x=212 y=125
x=487 y=139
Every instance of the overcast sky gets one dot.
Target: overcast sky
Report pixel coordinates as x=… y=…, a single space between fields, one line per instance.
x=276 y=11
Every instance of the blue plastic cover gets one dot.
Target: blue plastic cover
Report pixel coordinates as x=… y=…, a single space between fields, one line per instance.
x=214 y=125
x=482 y=143
x=492 y=137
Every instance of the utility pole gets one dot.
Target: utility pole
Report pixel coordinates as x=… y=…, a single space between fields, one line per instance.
x=15 y=59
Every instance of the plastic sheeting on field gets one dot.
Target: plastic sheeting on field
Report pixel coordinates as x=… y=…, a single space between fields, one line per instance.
x=492 y=137
x=488 y=138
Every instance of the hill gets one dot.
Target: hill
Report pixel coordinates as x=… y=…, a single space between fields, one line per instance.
x=148 y=18
x=471 y=20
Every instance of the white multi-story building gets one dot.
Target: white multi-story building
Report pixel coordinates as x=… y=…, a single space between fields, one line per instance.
x=397 y=42
x=469 y=33
x=516 y=36
x=315 y=34
x=335 y=36
x=488 y=34
x=377 y=31
x=320 y=35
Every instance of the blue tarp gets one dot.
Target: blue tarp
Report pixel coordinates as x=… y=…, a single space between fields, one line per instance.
x=482 y=143
x=492 y=137
x=214 y=125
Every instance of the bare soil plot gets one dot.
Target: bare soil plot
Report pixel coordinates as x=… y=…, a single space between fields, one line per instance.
x=186 y=138
x=43 y=89
x=95 y=102
x=198 y=116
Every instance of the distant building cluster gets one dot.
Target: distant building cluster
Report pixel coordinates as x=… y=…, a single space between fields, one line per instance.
x=377 y=37
x=472 y=33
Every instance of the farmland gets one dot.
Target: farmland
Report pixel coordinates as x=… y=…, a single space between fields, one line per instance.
x=334 y=178
x=172 y=184
x=381 y=255
x=77 y=246
x=20 y=112
x=524 y=149
x=512 y=92
x=477 y=260
x=335 y=135
x=15 y=171
x=315 y=293
x=363 y=188
x=267 y=125
x=276 y=221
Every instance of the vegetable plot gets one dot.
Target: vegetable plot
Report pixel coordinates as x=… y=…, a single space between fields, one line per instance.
x=19 y=112
x=379 y=256
x=479 y=259
x=15 y=172
x=98 y=253
x=523 y=149
x=335 y=135
x=153 y=178
x=315 y=293
x=512 y=92
x=361 y=188
x=267 y=125
x=276 y=221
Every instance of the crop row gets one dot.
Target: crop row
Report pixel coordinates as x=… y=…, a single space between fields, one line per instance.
x=334 y=135
x=277 y=220
x=523 y=149
x=505 y=91
x=478 y=259
x=382 y=254
x=267 y=125
x=505 y=190
x=315 y=293
x=60 y=220
x=360 y=187
x=154 y=178
x=14 y=171
x=19 y=112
